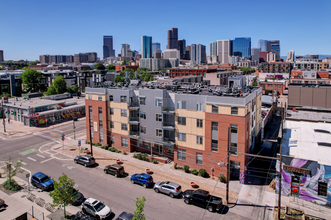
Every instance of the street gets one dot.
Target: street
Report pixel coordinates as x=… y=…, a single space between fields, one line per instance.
x=118 y=193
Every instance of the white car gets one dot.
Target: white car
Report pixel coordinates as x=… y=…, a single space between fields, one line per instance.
x=96 y=208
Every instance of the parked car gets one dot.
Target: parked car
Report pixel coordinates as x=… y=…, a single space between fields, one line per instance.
x=115 y=169
x=86 y=160
x=82 y=216
x=42 y=181
x=143 y=179
x=169 y=188
x=96 y=208
x=203 y=199
x=79 y=198
x=125 y=216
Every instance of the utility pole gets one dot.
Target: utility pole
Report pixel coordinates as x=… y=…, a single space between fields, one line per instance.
x=3 y=117
x=91 y=140
x=73 y=126
x=228 y=167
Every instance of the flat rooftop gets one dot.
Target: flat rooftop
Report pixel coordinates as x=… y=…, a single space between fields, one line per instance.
x=301 y=140
x=312 y=116
x=37 y=102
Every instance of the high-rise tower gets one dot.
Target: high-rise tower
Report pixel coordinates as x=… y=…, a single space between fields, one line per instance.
x=108 y=50
x=172 y=38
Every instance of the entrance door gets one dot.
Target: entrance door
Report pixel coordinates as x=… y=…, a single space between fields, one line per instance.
x=159 y=149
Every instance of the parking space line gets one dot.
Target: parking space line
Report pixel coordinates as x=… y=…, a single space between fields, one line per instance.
x=24 y=163
x=46 y=160
x=31 y=159
x=40 y=155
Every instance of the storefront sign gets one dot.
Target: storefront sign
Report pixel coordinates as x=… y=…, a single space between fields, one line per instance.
x=296 y=169
x=33 y=114
x=95 y=126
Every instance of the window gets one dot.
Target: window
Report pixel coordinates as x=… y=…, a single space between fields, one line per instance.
x=181 y=120
x=234 y=129
x=159 y=117
x=100 y=110
x=199 y=139
x=142 y=129
x=123 y=113
x=214 y=145
x=123 y=98
x=142 y=100
x=199 y=158
x=143 y=115
x=111 y=111
x=111 y=124
x=233 y=148
x=147 y=146
x=181 y=104
x=181 y=154
x=112 y=139
x=322 y=189
x=90 y=96
x=214 y=126
x=158 y=102
x=111 y=98
x=181 y=136
x=159 y=132
x=234 y=110
x=199 y=106
x=99 y=97
x=124 y=127
x=199 y=123
x=124 y=142
x=214 y=109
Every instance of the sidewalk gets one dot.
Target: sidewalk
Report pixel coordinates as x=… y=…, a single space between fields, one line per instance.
x=18 y=203
x=17 y=129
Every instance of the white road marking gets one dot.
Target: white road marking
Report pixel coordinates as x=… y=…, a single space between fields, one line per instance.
x=46 y=160
x=40 y=155
x=47 y=152
x=24 y=163
x=31 y=159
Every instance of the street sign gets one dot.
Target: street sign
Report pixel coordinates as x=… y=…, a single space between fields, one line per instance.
x=27 y=175
x=63 y=138
x=79 y=143
x=73 y=127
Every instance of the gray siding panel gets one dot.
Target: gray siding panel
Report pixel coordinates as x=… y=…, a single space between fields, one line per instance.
x=319 y=97
x=306 y=96
x=294 y=95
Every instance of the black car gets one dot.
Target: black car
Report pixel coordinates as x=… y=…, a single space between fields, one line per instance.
x=203 y=199
x=82 y=216
x=86 y=160
x=125 y=216
x=79 y=198
x=114 y=169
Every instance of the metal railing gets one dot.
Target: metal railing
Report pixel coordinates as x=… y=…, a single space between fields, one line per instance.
x=168 y=140
x=310 y=205
x=134 y=119
x=134 y=133
x=170 y=124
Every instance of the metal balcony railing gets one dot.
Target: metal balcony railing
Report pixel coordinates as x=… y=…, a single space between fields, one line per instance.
x=133 y=118
x=134 y=133
x=168 y=140
x=168 y=124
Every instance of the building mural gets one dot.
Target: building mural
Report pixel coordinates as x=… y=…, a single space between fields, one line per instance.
x=302 y=178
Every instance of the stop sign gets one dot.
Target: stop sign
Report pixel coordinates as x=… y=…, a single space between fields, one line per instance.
x=62 y=138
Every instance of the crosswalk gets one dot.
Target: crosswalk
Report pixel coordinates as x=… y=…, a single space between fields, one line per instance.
x=39 y=158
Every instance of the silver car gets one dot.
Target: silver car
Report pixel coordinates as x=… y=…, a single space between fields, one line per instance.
x=169 y=188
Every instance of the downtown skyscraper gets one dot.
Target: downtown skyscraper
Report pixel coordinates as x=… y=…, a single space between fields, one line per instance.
x=172 y=38
x=242 y=47
x=224 y=50
x=108 y=50
x=274 y=46
x=262 y=44
x=146 y=47
x=181 y=48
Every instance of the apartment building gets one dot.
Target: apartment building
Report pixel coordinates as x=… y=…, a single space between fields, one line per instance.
x=276 y=67
x=186 y=128
x=178 y=72
x=310 y=77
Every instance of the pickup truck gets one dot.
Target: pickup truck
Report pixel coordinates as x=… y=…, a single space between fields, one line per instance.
x=203 y=199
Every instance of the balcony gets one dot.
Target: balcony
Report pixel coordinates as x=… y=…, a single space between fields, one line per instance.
x=134 y=120
x=134 y=134
x=133 y=106
x=168 y=126
x=168 y=110
x=168 y=141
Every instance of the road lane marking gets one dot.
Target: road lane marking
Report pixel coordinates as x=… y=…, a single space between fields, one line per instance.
x=24 y=163
x=28 y=151
x=32 y=159
x=47 y=160
x=40 y=155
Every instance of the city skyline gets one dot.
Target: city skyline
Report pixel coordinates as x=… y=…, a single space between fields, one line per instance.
x=47 y=37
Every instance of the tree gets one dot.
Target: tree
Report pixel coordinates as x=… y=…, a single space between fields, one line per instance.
x=229 y=69
x=31 y=80
x=63 y=194
x=130 y=72
x=58 y=86
x=118 y=79
x=111 y=67
x=33 y=63
x=74 y=89
x=11 y=170
x=140 y=203
x=146 y=76
x=99 y=66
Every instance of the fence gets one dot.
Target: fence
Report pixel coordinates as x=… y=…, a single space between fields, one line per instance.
x=310 y=205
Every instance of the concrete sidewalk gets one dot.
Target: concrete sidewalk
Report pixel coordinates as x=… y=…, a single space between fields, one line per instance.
x=17 y=129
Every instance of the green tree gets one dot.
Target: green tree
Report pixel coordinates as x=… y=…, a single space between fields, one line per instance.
x=138 y=214
x=130 y=72
x=99 y=66
x=33 y=63
x=118 y=79
x=63 y=194
x=10 y=171
x=111 y=67
x=31 y=80
x=58 y=86
x=228 y=69
x=74 y=89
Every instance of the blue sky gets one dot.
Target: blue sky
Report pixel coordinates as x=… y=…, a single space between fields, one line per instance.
x=32 y=28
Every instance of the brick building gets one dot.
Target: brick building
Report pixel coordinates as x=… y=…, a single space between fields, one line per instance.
x=120 y=68
x=178 y=72
x=310 y=77
x=268 y=87
x=276 y=67
x=186 y=128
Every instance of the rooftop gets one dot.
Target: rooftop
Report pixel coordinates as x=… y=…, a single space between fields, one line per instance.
x=307 y=140
x=313 y=116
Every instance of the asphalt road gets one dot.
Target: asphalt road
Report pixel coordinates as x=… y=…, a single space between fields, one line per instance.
x=118 y=193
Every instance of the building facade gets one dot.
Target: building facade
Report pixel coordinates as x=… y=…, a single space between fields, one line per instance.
x=108 y=50
x=171 y=53
x=290 y=56
x=90 y=57
x=271 y=57
x=146 y=47
x=181 y=48
x=276 y=67
x=256 y=54
x=188 y=129
x=262 y=44
x=172 y=38
x=179 y=72
x=155 y=46
x=213 y=48
x=1 y=56
x=274 y=46
x=242 y=47
x=224 y=50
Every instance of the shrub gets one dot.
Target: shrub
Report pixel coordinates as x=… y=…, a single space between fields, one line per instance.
x=175 y=166
x=155 y=161
x=194 y=172
x=186 y=169
x=180 y=168
x=112 y=149
x=141 y=156
x=117 y=151
x=203 y=173
x=12 y=185
x=222 y=178
x=102 y=147
x=98 y=144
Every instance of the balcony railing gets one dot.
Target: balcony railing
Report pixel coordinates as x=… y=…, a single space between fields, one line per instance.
x=134 y=133
x=168 y=140
x=134 y=119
